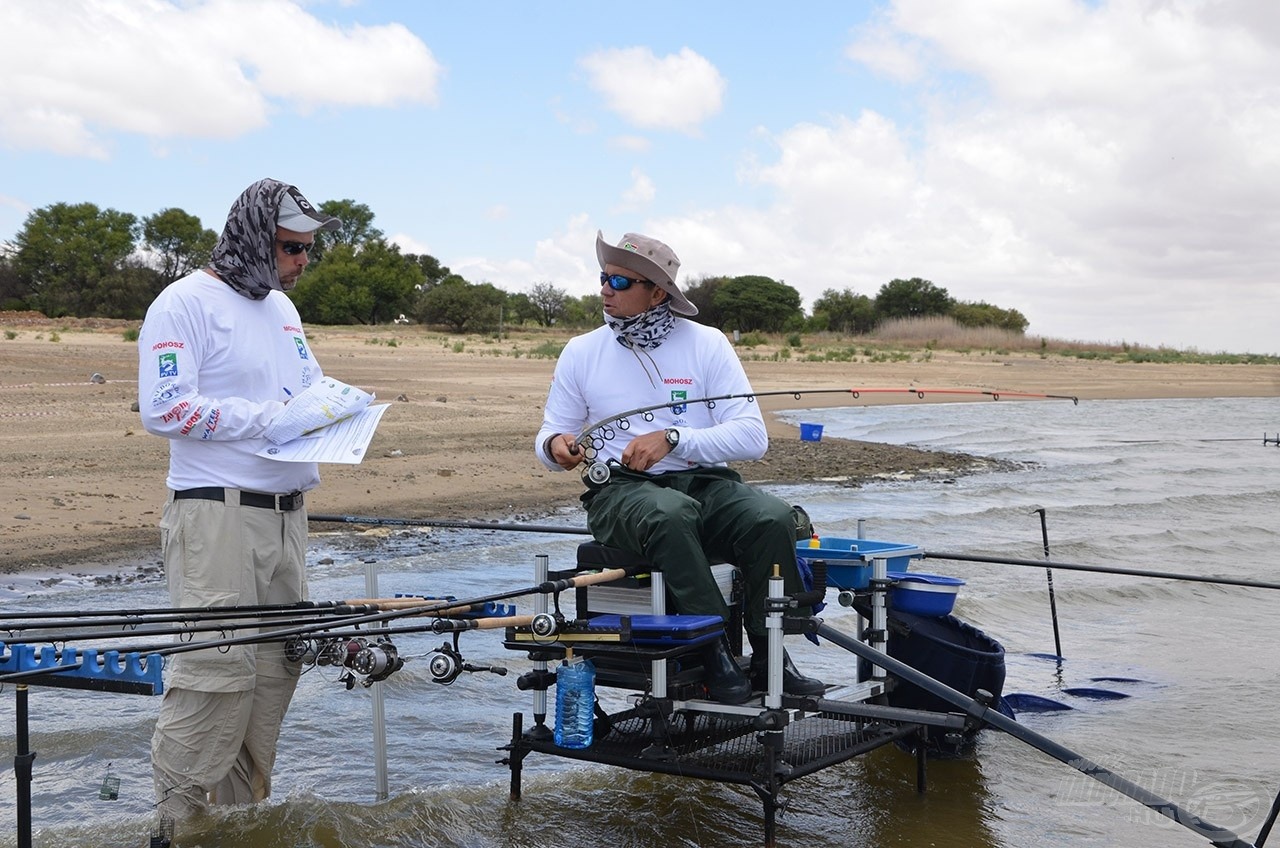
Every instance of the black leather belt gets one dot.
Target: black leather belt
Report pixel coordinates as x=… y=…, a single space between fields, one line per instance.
x=280 y=503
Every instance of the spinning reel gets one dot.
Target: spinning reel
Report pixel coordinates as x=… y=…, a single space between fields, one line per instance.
x=446 y=664
x=374 y=660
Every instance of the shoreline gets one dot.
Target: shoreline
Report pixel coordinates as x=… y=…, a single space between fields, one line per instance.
x=87 y=484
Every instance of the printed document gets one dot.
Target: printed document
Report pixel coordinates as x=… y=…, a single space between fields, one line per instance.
x=345 y=441
x=330 y=421
x=322 y=404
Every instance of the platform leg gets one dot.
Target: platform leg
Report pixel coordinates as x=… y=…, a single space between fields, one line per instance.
x=922 y=759
x=518 y=751
x=770 y=821
x=22 y=763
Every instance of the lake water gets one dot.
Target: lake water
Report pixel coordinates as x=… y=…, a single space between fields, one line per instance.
x=1181 y=486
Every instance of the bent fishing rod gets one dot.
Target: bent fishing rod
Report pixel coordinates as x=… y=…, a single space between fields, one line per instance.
x=620 y=419
x=1102 y=569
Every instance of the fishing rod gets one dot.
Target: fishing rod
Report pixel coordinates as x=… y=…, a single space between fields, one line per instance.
x=1136 y=572
x=410 y=609
x=446 y=523
x=191 y=611
x=620 y=418
x=51 y=634
x=983 y=713
x=545 y=624
x=143 y=624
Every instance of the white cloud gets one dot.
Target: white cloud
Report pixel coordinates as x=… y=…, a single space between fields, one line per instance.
x=631 y=143
x=560 y=260
x=79 y=70
x=675 y=92
x=1109 y=171
x=409 y=244
x=641 y=191
x=885 y=53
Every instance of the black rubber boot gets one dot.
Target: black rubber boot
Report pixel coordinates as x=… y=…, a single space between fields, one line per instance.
x=725 y=681
x=793 y=682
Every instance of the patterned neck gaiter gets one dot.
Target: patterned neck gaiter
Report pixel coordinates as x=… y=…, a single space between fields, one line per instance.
x=644 y=331
x=245 y=256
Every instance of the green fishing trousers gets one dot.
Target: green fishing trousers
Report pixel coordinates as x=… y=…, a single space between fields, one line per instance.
x=682 y=521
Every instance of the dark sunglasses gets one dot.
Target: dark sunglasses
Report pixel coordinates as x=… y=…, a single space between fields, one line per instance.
x=293 y=248
x=617 y=282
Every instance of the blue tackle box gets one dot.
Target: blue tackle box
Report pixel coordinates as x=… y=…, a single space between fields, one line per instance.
x=664 y=630
x=849 y=560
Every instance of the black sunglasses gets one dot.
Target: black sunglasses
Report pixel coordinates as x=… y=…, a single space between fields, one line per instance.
x=293 y=248
x=617 y=282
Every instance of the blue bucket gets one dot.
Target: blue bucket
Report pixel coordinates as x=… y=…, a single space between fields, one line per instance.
x=810 y=432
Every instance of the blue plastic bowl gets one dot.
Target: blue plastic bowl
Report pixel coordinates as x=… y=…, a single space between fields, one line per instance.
x=921 y=593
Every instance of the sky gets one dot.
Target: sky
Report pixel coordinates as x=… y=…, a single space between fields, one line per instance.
x=1109 y=169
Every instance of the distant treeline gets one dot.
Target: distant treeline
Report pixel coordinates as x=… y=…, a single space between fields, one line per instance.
x=81 y=261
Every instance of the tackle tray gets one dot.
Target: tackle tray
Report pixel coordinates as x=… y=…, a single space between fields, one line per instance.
x=849 y=560
x=664 y=629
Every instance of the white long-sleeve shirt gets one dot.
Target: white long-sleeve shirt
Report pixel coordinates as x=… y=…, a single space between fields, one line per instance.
x=214 y=369
x=596 y=377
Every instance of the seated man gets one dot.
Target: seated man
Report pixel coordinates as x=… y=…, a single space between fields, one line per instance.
x=669 y=496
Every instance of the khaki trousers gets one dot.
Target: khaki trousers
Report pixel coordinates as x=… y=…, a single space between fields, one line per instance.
x=220 y=717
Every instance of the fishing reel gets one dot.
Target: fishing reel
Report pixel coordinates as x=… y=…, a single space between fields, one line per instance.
x=446 y=664
x=373 y=661
x=377 y=661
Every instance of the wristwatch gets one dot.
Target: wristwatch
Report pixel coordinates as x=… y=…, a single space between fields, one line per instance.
x=673 y=437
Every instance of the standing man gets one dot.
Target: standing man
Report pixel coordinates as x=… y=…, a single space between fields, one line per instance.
x=670 y=497
x=219 y=354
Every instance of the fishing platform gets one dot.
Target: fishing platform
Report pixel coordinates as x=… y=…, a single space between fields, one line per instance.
x=672 y=728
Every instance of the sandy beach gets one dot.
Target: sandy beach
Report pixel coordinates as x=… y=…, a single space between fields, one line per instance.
x=85 y=483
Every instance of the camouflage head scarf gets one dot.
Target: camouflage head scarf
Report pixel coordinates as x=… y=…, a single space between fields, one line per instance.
x=245 y=256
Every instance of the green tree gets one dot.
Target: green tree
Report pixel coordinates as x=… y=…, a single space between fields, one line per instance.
x=757 y=303
x=432 y=271
x=520 y=309
x=179 y=244
x=584 y=311
x=982 y=314
x=913 y=298
x=371 y=284
x=844 y=312
x=548 y=303
x=702 y=294
x=461 y=306
x=124 y=293
x=13 y=290
x=357 y=224
x=64 y=252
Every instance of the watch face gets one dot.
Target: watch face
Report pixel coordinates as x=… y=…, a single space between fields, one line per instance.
x=673 y=437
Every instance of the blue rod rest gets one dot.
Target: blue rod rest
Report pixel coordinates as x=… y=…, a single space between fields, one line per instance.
x=106 y=670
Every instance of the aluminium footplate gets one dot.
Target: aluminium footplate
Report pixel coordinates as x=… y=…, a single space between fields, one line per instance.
x=767 y=749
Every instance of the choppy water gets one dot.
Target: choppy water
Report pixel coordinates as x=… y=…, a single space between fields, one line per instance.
x=1170 y=485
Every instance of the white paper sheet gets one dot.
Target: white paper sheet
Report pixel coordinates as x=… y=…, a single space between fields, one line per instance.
x=344 y=442
x=325 y=402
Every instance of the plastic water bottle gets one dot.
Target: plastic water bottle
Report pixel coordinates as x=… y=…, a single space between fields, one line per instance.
x=575 y=701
